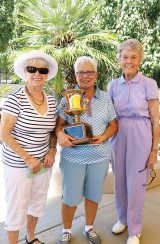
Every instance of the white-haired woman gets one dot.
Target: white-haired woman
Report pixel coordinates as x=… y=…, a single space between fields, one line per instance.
x=84 y=168
x=134 y=148
x=28 y=122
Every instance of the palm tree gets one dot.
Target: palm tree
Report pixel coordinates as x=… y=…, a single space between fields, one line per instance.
x=67 y=29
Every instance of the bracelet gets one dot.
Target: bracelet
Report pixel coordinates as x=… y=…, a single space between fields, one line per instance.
x=155 y=148
x=53 y=147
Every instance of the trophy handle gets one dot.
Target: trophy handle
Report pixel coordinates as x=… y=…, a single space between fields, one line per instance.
x=65 y=111
x=86 y=101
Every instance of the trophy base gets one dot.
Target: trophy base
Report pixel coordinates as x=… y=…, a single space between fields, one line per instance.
x=82 y=141
x=81 y=131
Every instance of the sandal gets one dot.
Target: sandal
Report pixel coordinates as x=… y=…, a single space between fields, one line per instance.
x=27 y=242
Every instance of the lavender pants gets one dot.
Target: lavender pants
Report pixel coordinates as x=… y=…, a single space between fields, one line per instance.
x=130 y=149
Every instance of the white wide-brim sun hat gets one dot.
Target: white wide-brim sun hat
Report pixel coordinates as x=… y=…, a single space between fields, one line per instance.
x=20 y=62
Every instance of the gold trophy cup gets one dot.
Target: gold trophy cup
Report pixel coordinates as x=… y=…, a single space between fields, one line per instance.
x=76 y=106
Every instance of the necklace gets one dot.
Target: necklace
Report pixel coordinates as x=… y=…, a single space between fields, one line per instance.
x=34 y=99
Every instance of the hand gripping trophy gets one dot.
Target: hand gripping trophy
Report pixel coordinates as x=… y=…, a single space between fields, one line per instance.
x=76 y=106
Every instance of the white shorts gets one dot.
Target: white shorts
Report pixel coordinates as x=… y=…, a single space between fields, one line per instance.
x=24 y=196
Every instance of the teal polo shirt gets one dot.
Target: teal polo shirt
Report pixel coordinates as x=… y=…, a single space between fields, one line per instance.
x=100 y=112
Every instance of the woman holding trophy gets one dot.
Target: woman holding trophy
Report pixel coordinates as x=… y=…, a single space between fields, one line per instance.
x=85 y=167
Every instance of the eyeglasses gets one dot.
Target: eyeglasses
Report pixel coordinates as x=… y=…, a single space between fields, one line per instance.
x=152 y=174
x=42 y=71
x=88 y=73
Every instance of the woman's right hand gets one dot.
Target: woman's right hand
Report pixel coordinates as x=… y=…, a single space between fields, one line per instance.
x=34 y=164
x=65 y=140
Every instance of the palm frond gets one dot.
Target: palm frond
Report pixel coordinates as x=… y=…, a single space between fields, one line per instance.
x=65 y=29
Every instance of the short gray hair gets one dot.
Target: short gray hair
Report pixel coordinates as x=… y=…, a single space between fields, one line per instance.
x=85 y=59
x=33 y=61
x=131 y=44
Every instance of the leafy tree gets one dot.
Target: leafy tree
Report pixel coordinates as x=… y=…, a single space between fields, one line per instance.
x=136 y=19
x=6 y=31
x=67 y=29
x=6 y=23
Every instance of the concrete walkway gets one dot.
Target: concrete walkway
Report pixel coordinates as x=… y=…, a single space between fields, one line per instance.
x=49 y=227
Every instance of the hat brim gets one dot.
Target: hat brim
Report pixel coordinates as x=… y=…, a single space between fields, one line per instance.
x=19 y=64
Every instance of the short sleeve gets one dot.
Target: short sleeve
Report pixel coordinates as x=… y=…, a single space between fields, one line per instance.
x=54 y=105
x=151 y=89
x=60 y=110
x=110 y=89
x=112 y=113
x=11 y=105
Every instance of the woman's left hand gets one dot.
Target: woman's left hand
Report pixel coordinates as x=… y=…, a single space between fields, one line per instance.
x=99 y=139
x=152 y=160
x=49 y=159
x=110 y=131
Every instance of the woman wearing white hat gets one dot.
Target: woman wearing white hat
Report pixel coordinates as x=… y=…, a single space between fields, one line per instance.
x=29 y=144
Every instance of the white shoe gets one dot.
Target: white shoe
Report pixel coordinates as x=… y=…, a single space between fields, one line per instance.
x=133 y=239
x=118 y=228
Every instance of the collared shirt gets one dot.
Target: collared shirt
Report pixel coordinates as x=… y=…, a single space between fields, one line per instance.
x=131 y=98
x=100 y=112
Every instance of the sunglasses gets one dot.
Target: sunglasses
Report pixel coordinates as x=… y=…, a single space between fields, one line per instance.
x=152 y=174
x=42 y=71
